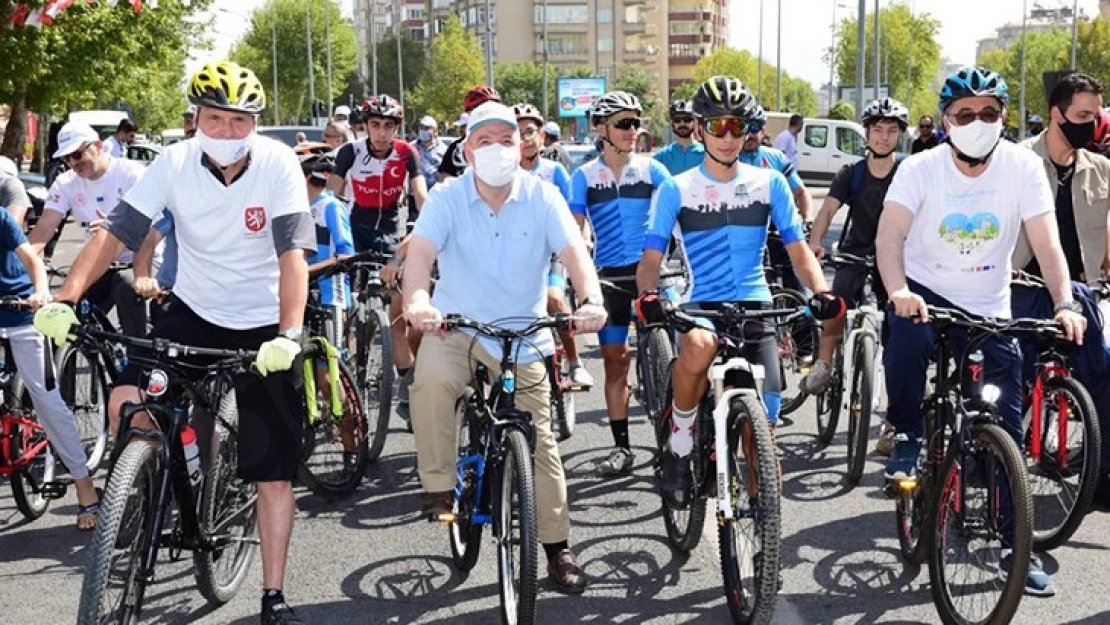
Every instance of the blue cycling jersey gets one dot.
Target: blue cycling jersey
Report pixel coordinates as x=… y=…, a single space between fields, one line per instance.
x=723 y=228
x=770 y=158
x=617 y=210
x=333 y=237
x=678 y=159
x=553 y=172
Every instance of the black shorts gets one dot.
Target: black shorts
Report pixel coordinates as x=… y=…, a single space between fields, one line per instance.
x=271 y=408
x=848 y=284
x=618 y=303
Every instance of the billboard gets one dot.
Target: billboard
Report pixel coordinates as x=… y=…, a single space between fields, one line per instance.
x=576 y=95
x=848 y=93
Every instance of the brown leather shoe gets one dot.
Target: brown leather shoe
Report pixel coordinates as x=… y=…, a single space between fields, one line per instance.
x=569 y=578
x=436 y=504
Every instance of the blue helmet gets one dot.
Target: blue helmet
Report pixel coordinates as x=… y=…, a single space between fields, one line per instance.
x=970 y=82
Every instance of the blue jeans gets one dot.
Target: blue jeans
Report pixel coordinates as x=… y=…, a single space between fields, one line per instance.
x=909 y=349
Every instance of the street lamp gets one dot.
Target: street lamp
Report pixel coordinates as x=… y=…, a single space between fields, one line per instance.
x=1074 y=32
x=875 y=36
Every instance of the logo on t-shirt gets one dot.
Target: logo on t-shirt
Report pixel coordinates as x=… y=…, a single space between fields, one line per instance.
x=968 y=234
x=255 y=219
x=80 y=200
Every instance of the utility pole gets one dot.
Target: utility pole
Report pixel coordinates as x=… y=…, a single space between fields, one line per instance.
x=1021 y=113
x=909 y=71
x=1074 y=32
x=760 y=79
x=311 y=76
x=327 y=31
x=489 y=46
x=373 y=48
x=273 y=43
x=861 y=34
x=400 y=63
x=832 y=58
x=778 y=63
x=546 y=101
x=875 y=70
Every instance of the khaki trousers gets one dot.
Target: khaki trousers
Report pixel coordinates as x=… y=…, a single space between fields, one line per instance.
x=441 y=375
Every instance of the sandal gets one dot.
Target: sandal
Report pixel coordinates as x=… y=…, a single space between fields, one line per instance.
x=86 y=515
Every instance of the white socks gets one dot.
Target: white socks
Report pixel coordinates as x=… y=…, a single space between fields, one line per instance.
x=682 y=434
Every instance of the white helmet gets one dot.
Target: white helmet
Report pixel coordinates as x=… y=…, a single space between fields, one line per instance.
x=886 y=108
x=614 y=102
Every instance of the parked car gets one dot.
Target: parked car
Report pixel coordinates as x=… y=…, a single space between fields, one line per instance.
x=288 y=134
x=143 y=152
x=37 y=191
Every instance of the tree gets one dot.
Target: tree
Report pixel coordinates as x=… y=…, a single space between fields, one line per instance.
x=898 y=25
x=523 y=82
x=842 y=110
x=286 y=19
x=798 y=96
x=454 y=65
x=413 y=59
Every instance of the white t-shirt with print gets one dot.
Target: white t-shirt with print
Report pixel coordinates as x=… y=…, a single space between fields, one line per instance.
x=227 y=242
x=964 y=229
x=71 y=193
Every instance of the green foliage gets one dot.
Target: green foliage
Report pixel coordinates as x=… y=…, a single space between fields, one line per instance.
x=454 y=65
x=286 y=19
x=412 y=58
x=842 y=110
x=523 y=82
x=797 y=94
x=897 y=27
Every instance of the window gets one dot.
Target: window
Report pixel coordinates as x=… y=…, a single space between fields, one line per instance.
x=563 y=44
x=686 y=28
x=605 y=16
x=684 y=50
x=605 y=71
x=817 y=136
x=604 y=44
x=415 y=13
x=849 y=141
x=417 y=34
x=563 y=14
x=632 y=15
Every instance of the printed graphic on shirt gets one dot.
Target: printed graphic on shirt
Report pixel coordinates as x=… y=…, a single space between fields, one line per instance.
x=255 y=219
x=967 y=234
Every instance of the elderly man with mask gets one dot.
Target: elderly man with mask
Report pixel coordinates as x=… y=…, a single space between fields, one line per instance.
x=492 y=233
x=430 y=148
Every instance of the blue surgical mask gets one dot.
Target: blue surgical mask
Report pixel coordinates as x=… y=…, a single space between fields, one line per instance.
x=425 y=135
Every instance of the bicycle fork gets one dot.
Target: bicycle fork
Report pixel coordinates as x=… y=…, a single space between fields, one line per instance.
x=865 y=328
x=721 y=409
x=1037 y=422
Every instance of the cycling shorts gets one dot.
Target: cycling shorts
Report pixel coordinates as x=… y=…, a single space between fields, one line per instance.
x=367 y=237
x=848 y=284
x=618 y=303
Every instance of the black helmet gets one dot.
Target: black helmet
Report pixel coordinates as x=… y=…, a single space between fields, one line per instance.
x=721 y=96
x=318 y=165
x=681 y=107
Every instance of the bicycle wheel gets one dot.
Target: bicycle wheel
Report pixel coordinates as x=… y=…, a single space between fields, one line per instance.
x=374 y=374
x=859 y=405
x=828 y=403
x=660 y=353
x=562 y=400
x=1063 y=487
x=982 y=508
x=27 y=484
x=464 y=534
x=683 y=523
x=797 y=341
x=335 y=451
x=112 y=590
x=228 y=519
x=750 y=542
x=517 y=545
x=83 y=384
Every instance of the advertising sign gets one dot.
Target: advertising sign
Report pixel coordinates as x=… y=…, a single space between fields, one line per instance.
x=576 y=95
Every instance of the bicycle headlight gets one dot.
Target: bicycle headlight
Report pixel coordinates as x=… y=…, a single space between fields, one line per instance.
x=990 y=394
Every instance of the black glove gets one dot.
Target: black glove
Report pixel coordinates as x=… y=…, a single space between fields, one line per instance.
x=652 y=308
x=826 y=305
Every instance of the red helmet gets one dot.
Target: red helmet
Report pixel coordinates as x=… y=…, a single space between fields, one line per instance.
x=382 y=106
x=478 y=96
x=1101 y=141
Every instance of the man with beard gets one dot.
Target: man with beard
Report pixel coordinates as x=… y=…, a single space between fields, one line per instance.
x=684 y=153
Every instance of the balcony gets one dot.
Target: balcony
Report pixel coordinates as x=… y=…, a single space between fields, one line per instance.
x=566 y=56
x=561 y=27
x=640 y=53
x=639 y=26
x=689 y=16
x=696 y=38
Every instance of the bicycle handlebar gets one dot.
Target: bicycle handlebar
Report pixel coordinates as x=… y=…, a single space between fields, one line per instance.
x=732 y=314
x=611 y=283
x=844 y=259
x=559 y=321
x=345 y=264
x=1040 y=327
x=12 y=302
x=168 y=348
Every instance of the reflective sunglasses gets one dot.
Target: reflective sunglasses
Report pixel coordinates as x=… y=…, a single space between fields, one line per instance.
x=987 y=115
x=719 y=126
x=627 y=123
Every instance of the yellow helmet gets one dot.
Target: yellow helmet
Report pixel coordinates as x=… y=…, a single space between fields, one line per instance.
x=228 y=86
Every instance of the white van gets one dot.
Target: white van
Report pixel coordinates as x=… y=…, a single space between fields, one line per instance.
x=824 y=146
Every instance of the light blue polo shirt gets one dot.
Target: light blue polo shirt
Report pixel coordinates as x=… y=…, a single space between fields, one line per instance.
x=678 y=159
x=493 y=266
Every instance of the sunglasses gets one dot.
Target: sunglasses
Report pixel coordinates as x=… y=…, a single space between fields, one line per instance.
x=75 y=157
x=720 y=126
x=682 y=120
x=987 y=115
x=627 y=123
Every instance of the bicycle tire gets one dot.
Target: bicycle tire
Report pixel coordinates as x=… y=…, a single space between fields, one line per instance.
x=26 y=484
x=827 y=409
x=326 y=433
x=376 y=380
x=1081 y=405
x=792 y=367
x=135 y=471
x=90 y=407
x=464 y=535
x=518 y=583
x=913 y=510
x=859 y=406
x=953 y=481
x=660 y=353
x=748 y=413
x=223 y=489
x=563 y=417
x=681 y=536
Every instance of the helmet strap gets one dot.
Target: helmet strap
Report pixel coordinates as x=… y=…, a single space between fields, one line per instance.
x=719 y=161
x=606 y=139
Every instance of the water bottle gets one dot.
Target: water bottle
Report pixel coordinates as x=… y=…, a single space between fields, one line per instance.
x=192 y=454
x=508 y=382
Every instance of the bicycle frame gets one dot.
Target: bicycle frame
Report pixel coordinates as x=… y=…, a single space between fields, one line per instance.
x=723 y=398
x=28 y=428
x=1050 y=364
x=863 y=321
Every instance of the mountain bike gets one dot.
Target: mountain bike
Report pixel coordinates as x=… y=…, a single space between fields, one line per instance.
x=150 y=486
x=969 y=501
x=496 y=484
x=732 y=426
x=368 y=345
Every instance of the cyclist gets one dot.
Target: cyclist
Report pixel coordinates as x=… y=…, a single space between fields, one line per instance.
x=490 y=273
x=552 y=148
x=722 y=210
x=614 y=193
x=93 y=186
x=947 y=231
x=530 y=124
x=13 y=194
x=378 y=168
x=862 y=186
x=454 y=164
x=243 y=231
x=685 y=152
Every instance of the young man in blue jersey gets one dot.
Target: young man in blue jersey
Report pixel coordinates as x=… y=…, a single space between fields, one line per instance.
x=614 y=192
x=685 y=152
x=722 y=209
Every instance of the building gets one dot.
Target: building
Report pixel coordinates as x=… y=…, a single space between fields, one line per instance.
x=1040 y=19
x=410 y=14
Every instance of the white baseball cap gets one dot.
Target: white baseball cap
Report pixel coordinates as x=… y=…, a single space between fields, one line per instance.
x=343 y=110
x=552 y=129
x=72 y=136
x=7 y=167
x=190 y=112
x=490 y=112
x=428 y=122
x=463 y=119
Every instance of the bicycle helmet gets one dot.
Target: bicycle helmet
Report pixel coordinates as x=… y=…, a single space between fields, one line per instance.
x=227 y=86
x=311 y=148
x=614 y=102
x=382 y=106
x=970 y=82
x=759 y=116
x=721 y=96
x=318 y=165
x=887 y=108
x=527 y=111
x=1102 y=133
x=681 y=107
x=478 y=96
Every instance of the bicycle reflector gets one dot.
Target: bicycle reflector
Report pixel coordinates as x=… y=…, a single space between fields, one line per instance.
x=157 y=383
x=907 y=483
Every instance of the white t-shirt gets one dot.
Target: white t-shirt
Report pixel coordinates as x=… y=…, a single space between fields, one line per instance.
x=964 y=229
x=71 y=193
x=788 y=144
x=228 y=237
x=113 y=147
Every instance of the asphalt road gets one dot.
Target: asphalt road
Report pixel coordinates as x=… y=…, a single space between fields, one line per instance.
x=369 y=559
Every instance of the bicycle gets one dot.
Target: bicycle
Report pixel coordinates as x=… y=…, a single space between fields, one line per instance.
x=797 y=340
x=853 y=386
x=368 y=345
x=732 y=424
x=971 y=471
x=150 y=473
x=497 y=439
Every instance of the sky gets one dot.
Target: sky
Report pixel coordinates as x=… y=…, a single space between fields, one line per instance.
x=962 y=24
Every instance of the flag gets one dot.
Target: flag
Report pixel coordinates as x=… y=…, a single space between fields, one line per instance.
x=137 y=6
x=19 y=15
x=34 y=19
x=54 y=8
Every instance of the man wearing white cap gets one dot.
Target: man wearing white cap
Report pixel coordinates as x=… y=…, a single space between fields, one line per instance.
x=93 y=186
x=13 y=195
x=342 y=113
x=552 y=149
x=188 y=121
x=492 y=233
x=430 y=148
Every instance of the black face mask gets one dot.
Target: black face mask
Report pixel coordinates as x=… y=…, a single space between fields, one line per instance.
x=1078 y=135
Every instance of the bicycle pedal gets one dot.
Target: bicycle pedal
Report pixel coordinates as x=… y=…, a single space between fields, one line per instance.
x=53 y=490
x=579 y=388
x=442 y=517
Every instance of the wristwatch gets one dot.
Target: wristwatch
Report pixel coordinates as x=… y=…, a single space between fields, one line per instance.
x=293 y=334
x=1071 y=305
x=594 y=300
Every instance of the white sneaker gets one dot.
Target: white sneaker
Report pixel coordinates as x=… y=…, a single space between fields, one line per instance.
x=581 y=377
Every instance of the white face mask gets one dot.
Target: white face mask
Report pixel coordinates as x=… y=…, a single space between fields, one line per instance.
x=976 y=139
x=495 y=164
x=224 y=151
